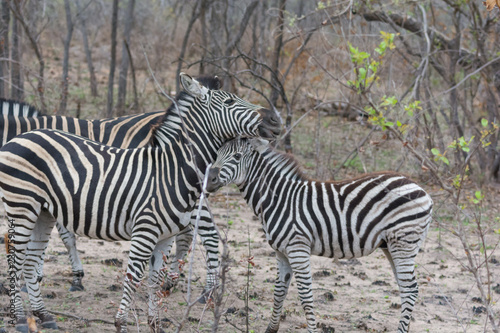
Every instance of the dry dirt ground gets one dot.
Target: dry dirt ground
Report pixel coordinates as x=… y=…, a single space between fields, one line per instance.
x=350 y=296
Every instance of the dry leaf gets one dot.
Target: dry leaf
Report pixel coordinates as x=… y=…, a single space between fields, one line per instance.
x=424 y=168
x=32 y=324
x=490 y=4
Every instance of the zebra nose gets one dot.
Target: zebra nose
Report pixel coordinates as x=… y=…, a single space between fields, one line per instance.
x=213 y=183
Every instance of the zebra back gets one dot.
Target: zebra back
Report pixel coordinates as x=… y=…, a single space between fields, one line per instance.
x=124 y=132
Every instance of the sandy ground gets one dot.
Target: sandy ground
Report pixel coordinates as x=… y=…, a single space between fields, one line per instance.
x=350 y=296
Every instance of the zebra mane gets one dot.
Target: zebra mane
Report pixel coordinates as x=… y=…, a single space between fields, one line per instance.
x=210 y=82
x=285 y=161
x=14 y=108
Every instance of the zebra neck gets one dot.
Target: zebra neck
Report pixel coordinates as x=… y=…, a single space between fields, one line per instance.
x=181 y=131
x=267 y=174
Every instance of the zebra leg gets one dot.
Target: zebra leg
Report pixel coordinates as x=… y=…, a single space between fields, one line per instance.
x=183 y=241
x=210 y=240
x=404 y=268
x=300 y=261
x=34 y=260
x=69 y=240
x=143 y=242
x=280 y=290
x=156 y=274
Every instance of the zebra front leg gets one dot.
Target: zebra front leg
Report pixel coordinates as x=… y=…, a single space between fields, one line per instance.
x=156 y=274
x=210 y=240
x=182 y=243
x=34 y=260
x=143 y=242
x=69 y=240
x=280 y=291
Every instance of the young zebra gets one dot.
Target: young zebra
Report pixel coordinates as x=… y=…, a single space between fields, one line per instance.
x=347 y=219
x=145 y=195
x=124 y=132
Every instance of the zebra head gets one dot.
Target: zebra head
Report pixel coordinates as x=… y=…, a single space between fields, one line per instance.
x=233 y=162
x=228 y=115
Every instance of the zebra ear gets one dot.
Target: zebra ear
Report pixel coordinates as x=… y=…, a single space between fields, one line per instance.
x=192 y=87
x=259 y=145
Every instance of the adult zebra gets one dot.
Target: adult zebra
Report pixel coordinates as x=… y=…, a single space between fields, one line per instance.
x=124 y=132
x=347 y=219
x=145 y=195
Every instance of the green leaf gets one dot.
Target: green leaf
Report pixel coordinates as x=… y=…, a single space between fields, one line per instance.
x=398 y=123
x=484 y=122
x=466 y=149
x=445 y=160
x=389 y=123
x=435 y=151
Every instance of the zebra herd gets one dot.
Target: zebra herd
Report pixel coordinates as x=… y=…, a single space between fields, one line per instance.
x=138 y=178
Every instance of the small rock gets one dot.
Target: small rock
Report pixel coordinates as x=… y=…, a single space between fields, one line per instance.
x=322 y=273
x=324 y=328
x=114 y=287
x=497 y=288
x=51 y=295
x=478 y=310
x=477 y=299
x=100 y=242
x=329 y=296
x=112 y=262
x=380 y=283
x=231 y=310
x=351 y=262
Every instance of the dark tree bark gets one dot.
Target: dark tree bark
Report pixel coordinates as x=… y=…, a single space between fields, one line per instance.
x=88 y=52
x=32 y=37
x=195 y=13
x=136 y=105
x=17 y=90
x=236 y=39
x=122 y=78
x=4 y=46
x=278 y=44
x=112 y=65
x=65 y=66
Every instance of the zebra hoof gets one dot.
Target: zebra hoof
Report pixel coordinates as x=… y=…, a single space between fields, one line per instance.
x=50 y=324
x=22 y=325
x=76 y=287
x=24 y=289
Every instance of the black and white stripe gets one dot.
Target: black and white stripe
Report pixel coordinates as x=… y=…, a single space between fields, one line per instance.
x=347 y=219
x=124 y=132
x=145 y=195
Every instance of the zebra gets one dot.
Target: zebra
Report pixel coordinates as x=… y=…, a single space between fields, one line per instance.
x=343 y=220
x=145 y=195
x=124 y=132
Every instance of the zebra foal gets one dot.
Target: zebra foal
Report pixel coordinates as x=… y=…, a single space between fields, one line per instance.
x=347 y=219
x=145 y=195
x=132 y=131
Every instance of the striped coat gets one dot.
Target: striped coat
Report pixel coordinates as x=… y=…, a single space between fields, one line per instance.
x=347 y=219
x=145 y=195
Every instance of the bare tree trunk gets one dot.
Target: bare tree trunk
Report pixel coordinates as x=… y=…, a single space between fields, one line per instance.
x=194 y=16
x=67 y=42
x=278 y=44
x=112 y=65
x=204 y=37
x=236 y=39
x=32 y=37
x=122 y=78
x=16 y=91
x=88 y=53
x=4 y=46
x=135 y=106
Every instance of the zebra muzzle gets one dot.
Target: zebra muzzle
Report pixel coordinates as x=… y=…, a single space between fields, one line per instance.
x=270 y=128
x=213 y=181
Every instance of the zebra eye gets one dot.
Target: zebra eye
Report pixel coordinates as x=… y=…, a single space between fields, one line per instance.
x=229 y=101
x=237 y=156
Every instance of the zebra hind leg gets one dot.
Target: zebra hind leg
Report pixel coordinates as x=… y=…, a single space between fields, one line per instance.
x=404 y=267
x=34 y=260
x=280 y=291
x=69 y=240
